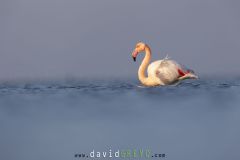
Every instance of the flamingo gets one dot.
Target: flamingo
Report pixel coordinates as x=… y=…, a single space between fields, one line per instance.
x=161 y=72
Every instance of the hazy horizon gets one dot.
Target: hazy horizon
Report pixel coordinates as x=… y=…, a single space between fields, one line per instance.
x=60 y=39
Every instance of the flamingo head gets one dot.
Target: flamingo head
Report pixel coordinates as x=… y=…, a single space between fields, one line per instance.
x=140 y=47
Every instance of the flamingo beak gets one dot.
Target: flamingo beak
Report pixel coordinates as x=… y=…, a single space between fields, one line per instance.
x=134 y=59
x=134 y=55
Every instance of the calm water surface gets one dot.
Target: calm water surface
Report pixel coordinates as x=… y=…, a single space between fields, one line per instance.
x=194 y=120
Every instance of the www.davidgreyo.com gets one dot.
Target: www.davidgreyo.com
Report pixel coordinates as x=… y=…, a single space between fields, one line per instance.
x=125 y=153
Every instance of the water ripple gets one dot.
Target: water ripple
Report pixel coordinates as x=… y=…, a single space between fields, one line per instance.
x=116 y=87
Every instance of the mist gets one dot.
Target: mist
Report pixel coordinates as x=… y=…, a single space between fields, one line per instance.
x=70 y=38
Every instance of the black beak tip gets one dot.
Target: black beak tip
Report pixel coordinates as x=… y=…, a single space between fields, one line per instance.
x=134 y=59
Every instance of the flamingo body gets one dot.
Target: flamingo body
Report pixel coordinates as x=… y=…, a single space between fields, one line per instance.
x=166 y=71
x=161 y=72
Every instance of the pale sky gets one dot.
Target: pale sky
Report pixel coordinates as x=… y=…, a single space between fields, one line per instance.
x=91 y=38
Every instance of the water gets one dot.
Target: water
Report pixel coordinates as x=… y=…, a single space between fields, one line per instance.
x=56 y=120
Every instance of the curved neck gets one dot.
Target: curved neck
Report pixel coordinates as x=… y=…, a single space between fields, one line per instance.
x=141 y=71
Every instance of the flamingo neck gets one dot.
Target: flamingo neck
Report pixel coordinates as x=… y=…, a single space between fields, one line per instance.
x=141 y=71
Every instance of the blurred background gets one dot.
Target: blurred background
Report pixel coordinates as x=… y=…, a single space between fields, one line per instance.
x=71 y=38
x=78 y=40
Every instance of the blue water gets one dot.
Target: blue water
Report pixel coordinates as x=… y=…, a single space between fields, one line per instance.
x=193 y=120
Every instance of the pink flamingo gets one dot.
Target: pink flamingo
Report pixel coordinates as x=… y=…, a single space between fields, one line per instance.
x=161 y=72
